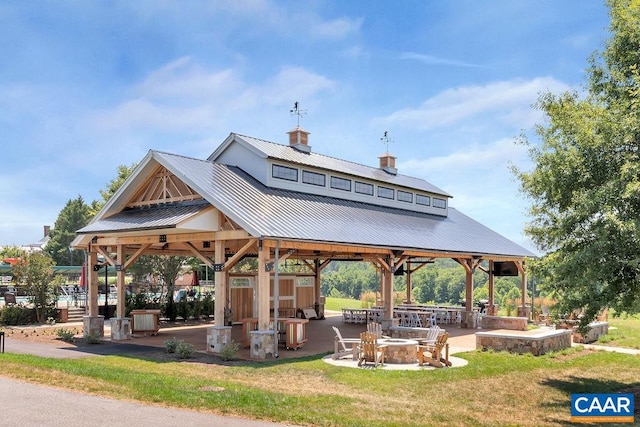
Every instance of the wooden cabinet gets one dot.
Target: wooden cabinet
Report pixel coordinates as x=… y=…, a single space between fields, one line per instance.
x=145 y=321
x=292 y=332
x=296 y=333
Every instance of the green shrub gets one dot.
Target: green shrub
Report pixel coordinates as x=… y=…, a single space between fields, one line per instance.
x=12 y=315
x=171 y=345
x=229 y=351
x=208 y=305
x=184 y=350
x=92 y=338
x=65 y=334
x=184 y=309
x=138 y=301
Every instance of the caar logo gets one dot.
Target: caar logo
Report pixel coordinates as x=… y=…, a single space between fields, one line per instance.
x=602 y=408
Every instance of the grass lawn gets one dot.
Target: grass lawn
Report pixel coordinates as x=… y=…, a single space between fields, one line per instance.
x=493 y=389
x=337 y=304
x=623 y=332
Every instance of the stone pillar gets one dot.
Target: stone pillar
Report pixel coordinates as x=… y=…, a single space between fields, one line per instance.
x=387 y=324
x=469 y=319
x=120 y=328
x=93 y=326
x=524 y=311
x=262 y=344
x=217 y=338
x=492 y=309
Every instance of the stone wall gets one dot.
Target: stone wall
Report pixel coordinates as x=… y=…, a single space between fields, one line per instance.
x=596 y=329
x=408 y=333
x=504 y=322
x=537 y=344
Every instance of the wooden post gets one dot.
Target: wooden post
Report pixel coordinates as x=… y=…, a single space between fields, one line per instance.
x=491 y=289
x=220 y=284
x=263 y=287
x=523 y=273
x=120 y=285
x=387 y=291
x=93 y=282
x=408 y=282
x=468 y=300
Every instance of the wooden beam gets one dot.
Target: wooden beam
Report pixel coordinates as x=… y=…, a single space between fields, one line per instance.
x=382 y=263
x=207 y=261
x=103 y=251
x=135 y=256
x=173 y=235
x=231 y=262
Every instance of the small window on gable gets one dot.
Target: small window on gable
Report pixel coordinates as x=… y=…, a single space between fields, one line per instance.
x=439 y=203
x=314 y=178
x=283 y=172
x=385 y=193
x=423 y=200
x=364 y=188
x=340 y=183
x=404 y=196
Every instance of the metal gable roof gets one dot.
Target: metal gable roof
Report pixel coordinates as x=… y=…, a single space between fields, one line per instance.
x=161 y=216
x=269 y=212
x=289 y=154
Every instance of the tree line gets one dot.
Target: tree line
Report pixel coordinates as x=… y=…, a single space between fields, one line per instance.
x=441 y=282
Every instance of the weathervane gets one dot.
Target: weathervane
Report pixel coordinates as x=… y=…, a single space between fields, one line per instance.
x=297 y=111
x=386 y=139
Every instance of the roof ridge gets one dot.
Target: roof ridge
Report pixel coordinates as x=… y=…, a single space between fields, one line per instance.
x=329 y=157
x=179 y=155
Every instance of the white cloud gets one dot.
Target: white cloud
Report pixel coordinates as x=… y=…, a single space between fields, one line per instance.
x=472 y=158
x=184 y=96
x=480 y=181
x=434 y=60
x=336 y=29
x=504 y=100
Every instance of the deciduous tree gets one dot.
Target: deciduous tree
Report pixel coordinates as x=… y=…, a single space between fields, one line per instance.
x=584 y=187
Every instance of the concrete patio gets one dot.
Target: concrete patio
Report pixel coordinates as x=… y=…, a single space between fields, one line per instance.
x=319 y=334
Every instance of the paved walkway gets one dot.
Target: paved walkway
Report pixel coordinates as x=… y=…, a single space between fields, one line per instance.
x=30 y=405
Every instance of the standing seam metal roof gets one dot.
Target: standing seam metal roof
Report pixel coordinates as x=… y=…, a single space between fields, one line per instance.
x=274 y=213
x=289 y=154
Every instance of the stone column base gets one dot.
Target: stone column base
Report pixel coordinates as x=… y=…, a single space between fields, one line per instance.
x=524 y=311
x=469 y=320
x=93 y=326
x=217 y=338
x=120 y=328
x=492 y=310
x=262 y=344
x=387 y=324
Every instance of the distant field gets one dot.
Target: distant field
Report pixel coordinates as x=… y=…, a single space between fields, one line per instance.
x=337 y=304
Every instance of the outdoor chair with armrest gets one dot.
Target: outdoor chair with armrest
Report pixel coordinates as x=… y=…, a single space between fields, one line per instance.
x=370 y=351
x=432 y=335
x=433 y=353
x=376 y=329
x=340 y=346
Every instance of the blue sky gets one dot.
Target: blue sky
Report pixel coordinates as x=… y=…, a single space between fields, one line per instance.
x=87 y=86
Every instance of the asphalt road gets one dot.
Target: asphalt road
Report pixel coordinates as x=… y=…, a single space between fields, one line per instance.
x=29 y=405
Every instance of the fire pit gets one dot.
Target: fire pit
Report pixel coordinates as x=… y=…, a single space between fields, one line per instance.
x=400 y=350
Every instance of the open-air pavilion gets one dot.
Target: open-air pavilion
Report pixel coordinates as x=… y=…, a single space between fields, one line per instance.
x=273 y=202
